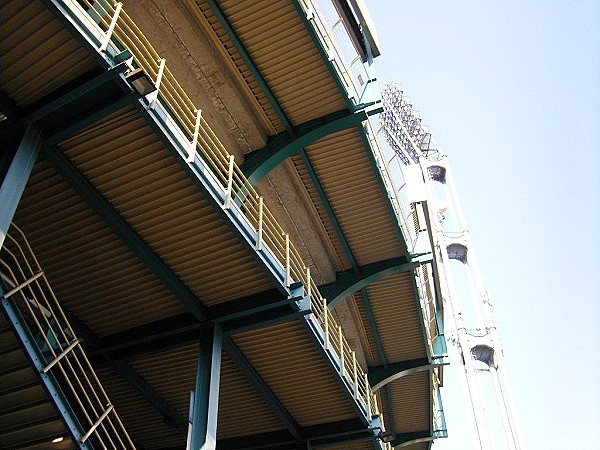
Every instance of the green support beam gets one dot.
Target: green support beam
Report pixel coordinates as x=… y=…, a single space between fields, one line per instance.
x=206 y=394
x=280 y=147
x=16 y=177
x=348 y=281
x=384 y=374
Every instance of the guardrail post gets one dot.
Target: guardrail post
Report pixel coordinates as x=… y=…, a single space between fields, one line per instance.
x=368 y=395
x=111 y=28
x=192 y=150
x=341 y=350
x=229 y=183
x=259 y=239
x=355 y=375
x=287 y=260
x=153 y=96
x=61 y=356
x=308 y=282
x=326 y=316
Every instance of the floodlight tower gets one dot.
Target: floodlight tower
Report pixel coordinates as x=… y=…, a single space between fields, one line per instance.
x=476 y=336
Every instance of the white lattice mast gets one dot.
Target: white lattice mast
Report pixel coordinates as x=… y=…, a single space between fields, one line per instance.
x=476 y=337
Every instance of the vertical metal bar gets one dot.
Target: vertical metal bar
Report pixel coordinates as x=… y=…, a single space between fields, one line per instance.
x=152 y=97
x=355 y=375
x=229 y=183
x=287 y=260
x=194 y=144
x=308 y=282
x=368 y=395
x=22 y=285
x=16 y=177
x=206 y=396
x=188 y=442
x=111 y=28
x=259 y=240
x=326 y=316
x=341 y=350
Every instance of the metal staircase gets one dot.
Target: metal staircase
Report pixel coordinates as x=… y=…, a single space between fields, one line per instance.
x=37 y=337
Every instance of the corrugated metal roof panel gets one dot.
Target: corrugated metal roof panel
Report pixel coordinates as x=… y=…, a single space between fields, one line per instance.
x=91 y=271
x=241 y=410
x=396 y=310
x=37 y=55
x=143 y=422
x=343 y=168
x=411 y=402
x=282 y=50
x=127 y=162
x=289 y=362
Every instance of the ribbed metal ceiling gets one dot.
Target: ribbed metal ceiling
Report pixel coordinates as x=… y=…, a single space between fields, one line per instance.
x=37 y=54
x=343 y=168
x=129 y=165
x=282 y=50
x=289 y=362
x=396 y=310
x=91 y=271
x=411 y=402
x=241 y=410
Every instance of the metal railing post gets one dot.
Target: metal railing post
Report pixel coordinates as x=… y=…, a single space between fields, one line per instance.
x=308 y=282
x=229 y=183
x=341 y=340
x=355 y=375
x=153 y=96
x=97 y=423
x=368 y=395
x=111 y=28
x=259 y=239
x=287 y=260
x=326 y=316
x=192 y=150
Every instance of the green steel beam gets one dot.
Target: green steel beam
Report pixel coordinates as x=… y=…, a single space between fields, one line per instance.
x=17 y=176
x=412 y=437
x=348 y=281
x=280 y=147
x=380 y=376
x=237 y=43
x=206 y=394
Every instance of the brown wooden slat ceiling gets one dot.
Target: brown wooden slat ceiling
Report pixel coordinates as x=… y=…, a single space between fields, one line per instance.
x=37 y=54
x=126 y=161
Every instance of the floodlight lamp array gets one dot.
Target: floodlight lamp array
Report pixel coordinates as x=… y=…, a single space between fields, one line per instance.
x=403 y=126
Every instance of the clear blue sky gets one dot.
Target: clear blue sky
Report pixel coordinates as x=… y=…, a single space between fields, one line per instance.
x=511 y=90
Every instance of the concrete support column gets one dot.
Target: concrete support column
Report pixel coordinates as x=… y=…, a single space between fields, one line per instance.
x=206 y=397
x=18 y=172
